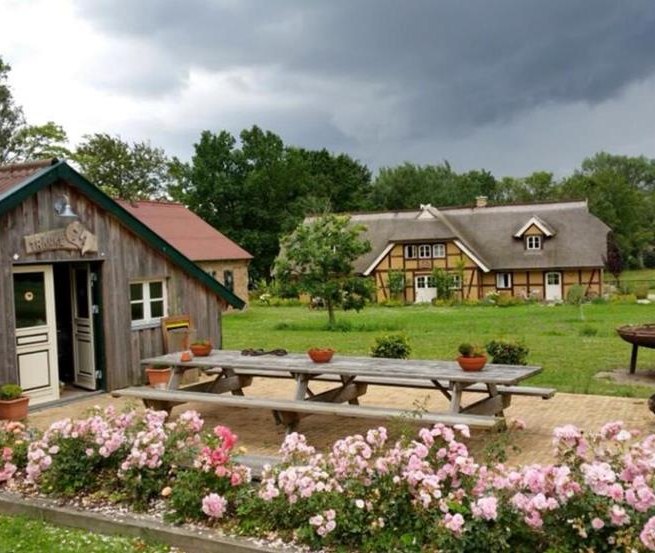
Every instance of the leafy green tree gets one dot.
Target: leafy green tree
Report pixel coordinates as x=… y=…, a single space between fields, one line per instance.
x=134 y=171
x=20 y=141
x=319 y=256
x=257 y=190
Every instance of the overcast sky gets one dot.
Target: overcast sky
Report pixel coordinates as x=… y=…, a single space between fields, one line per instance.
x=512 y=86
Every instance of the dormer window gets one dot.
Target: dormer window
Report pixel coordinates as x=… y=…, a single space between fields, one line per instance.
x=533 y=242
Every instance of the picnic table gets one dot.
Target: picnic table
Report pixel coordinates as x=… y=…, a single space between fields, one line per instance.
x=233 y=372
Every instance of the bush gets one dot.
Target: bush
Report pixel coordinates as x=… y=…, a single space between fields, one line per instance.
x=429 y=494
x=10 y=391
x=13 y=448
x=505 y=300
x=396 y=283
x=641 y=290
x=392 y=346
x=588 y=331
x=505 y=352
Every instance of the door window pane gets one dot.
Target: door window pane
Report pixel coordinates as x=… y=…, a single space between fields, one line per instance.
x=29 y=299
x=81 y=293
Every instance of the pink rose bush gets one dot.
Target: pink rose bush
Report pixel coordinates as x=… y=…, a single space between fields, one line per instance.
x=365 y=494
x=14 y=440
x=429 y=492
x=132 y=456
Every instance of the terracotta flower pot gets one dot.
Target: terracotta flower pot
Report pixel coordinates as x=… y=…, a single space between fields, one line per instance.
x=158 y=377
x=14 y=409
x=320 y=355
x=201 y=350
x=471 y=364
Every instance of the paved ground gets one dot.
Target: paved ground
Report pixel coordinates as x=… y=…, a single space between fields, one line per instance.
x=259 y=434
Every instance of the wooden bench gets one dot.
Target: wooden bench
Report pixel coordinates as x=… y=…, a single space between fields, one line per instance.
x=543 y=393
x=289 y=411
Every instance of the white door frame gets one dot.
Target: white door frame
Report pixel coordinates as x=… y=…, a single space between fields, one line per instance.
x=82 y=331
x=553 y=292
x=36 y=346
x=422 y=292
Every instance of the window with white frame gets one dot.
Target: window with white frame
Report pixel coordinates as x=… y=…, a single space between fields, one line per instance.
x=410 y=251
x=424 y=251
x=533 y=242
x=456 y=281
x=503 y=280
x=425 y=281
x=438 y=250
x=147 y=301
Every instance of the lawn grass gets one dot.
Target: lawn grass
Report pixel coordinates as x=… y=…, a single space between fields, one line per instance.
x=22 y=535
x=570 y=350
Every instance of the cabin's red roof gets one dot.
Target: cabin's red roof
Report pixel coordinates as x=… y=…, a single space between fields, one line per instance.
x=12 y=175
x=187 y=232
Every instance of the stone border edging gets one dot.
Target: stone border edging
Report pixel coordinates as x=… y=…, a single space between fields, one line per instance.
x=187 y=540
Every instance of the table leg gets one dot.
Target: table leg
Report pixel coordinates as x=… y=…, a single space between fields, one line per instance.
x=456 y=397
x=345 y=380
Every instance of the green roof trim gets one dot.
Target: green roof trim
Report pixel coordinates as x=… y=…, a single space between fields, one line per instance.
x=62 y=171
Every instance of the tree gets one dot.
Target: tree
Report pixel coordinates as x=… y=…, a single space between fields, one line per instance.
x=263 y=189
x=20 y=141
x=613 y=260
x=128 y=171
x=319 y=255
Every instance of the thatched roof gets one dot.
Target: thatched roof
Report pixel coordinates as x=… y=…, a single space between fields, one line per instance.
x=578 y=238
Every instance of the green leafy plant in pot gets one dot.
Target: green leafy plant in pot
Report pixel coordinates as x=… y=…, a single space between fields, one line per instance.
x=471 y=358
x=13 y=404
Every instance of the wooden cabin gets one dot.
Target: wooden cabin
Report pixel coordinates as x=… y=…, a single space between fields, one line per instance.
x=84 y=285
x=534 y=251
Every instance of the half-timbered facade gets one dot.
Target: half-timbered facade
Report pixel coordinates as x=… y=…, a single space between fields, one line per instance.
x=531 y=251
x=84 y=285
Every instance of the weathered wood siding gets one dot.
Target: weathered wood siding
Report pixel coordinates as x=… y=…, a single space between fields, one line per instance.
x=123 y=257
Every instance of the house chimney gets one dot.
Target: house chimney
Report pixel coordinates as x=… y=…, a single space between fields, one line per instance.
x=481 y=201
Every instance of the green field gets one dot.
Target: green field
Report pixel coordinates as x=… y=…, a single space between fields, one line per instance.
x=21 y=535
x=557 y=338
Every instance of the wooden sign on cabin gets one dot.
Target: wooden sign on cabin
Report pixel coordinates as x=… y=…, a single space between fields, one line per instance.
x=74 y=237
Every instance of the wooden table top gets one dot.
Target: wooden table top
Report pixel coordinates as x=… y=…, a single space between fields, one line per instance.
x=418 y=369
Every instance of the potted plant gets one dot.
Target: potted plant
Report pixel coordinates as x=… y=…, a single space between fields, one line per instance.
x=158 y=377
x=472 y=357
x=320 y=355
x=13 y=404
x=201 y=348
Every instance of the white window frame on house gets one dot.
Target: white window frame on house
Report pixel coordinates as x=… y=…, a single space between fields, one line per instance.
x=533 y=242
x=503 y=281
x=425 y=251
x=438 y=250
x=456 y=281
x=411 y=251
x=148 y=320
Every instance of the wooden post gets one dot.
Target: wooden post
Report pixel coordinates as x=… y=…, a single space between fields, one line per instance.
x=633 y=359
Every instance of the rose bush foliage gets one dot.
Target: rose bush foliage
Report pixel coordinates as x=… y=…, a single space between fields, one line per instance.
x=365 y=494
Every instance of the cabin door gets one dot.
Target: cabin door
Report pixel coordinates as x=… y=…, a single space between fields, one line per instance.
x=82 y=310
x=553 y=286
x=36 y=332
x=424 y=289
